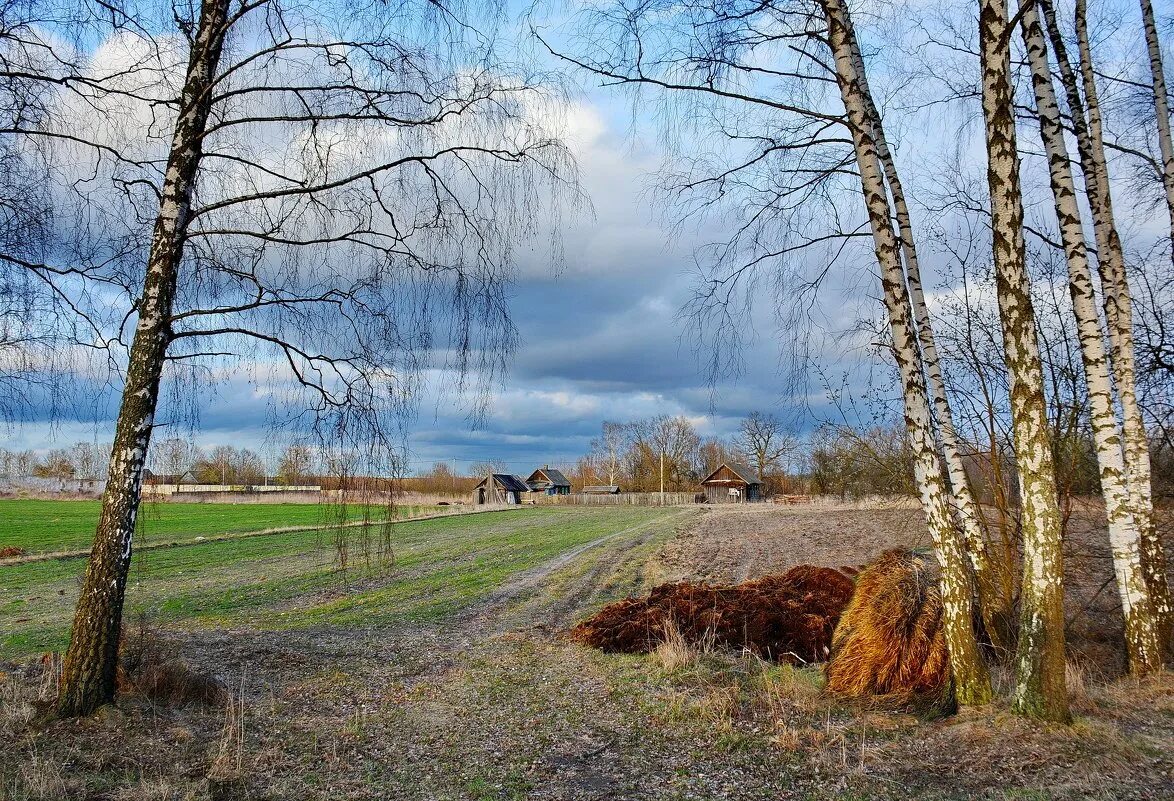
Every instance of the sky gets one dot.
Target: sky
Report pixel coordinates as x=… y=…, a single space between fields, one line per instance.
x=600 y=338
x=600 y=334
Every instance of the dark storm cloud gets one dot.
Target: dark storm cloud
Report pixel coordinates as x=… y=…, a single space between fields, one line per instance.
x=599 y=339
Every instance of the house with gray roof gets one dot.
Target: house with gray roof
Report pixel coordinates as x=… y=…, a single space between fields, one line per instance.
x=549 y=481
x=500 y=488
x=732 y=483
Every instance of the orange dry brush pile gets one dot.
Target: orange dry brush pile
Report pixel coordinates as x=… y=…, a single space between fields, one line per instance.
x=784 y=618
x=889 y=647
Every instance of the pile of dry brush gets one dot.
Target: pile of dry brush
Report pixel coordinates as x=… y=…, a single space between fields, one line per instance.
x=889 y=647
x=787 y=618
x=881 y=635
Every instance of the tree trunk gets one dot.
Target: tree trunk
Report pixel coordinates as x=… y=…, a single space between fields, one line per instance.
x=91 y=663
x=992 y=573
x=1040 y=666
x=1118 y=305
x=971 y=680
x=1141 y=635
x=1161 y=109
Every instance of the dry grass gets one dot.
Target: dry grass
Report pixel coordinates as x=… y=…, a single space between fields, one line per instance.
x=676 y=652
x=228 y=762
x=40 y=777
x=889 y=648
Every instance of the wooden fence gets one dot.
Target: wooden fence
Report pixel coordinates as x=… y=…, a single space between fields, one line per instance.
x=619 y=499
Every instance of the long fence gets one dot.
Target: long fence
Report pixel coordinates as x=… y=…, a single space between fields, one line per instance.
x=618 y=499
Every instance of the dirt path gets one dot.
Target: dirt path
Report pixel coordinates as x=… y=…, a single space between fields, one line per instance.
x=552 y=602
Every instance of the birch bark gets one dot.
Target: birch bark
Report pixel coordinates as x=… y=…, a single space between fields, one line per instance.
x=1161 y=109
x=992 y=574
x=1141 y=635
x=1040 y=666
x=91 y=662
x=1118 y=306
x=971 y=680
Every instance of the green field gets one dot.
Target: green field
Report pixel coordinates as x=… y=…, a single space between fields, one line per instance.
x=40 y=526
x=292 y=580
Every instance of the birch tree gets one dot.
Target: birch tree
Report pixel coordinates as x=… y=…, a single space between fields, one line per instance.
x=326 y=193
x=1085 y=116
x=1040 y=660
x=992 y=573
x=1140 y=626
x=803 y=180
x=1153 y=47
x=972 y=683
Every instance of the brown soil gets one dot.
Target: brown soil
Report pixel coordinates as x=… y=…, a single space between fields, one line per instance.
x=788 y=618
x=734 y=544
x=11 y=551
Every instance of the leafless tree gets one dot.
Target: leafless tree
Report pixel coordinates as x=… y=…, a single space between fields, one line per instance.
x=1121 y=504
x=768 y=440
x=1040 y=660
x=323 y=194
x=609 y=448
x=175 y=456
x=762 y=78
x=297 y=463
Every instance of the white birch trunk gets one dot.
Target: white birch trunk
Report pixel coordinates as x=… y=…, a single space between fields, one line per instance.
x=1040 y=665
x=91 y=662
x=1161 y=109
x=1118 y=306
x=971 y=681
x=1140 y=631
x=992 y=574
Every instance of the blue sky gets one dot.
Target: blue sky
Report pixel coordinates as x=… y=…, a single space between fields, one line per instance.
x=600 y=338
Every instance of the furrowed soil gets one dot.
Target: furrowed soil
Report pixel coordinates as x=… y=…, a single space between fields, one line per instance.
x=448 y=675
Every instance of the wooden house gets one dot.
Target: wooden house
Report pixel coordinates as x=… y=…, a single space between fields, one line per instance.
x=732 y=483
x=503 y=489
x=605 y=489
x=549 y=481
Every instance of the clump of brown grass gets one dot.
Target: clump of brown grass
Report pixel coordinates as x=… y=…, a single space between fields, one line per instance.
x=889 y=648
x=675 y=651
x=226 y=773
x=785 y=618
x=11 y=552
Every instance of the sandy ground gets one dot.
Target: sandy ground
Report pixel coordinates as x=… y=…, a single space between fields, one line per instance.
x=494 y=704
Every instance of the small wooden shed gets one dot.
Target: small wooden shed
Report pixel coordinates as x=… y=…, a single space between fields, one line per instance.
x=732 y=483
x=603 y=489
x=504 y=489
x=548 y=480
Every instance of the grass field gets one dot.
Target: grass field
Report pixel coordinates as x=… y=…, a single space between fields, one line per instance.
x=291 y=580
x=446 y=676
x=45 y=526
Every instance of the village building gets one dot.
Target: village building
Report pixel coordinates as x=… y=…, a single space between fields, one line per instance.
x=549 y=481
x=732 y=483
x=504 y=489
x=605 y=489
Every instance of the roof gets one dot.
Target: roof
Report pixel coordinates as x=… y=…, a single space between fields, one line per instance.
x=508 y=483
x=611 y=489
x=740 y=470
x=555 y=477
